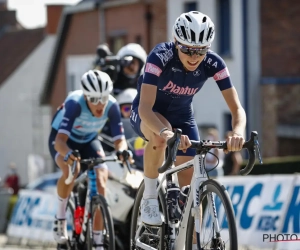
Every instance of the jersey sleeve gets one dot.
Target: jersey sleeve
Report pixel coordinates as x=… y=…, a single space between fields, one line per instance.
x=156 y=61
x=72 y=111
x=216 y=68
x=116 y=125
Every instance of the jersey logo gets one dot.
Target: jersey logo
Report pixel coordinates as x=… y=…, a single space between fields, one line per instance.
x=224 y=73
x=197 y=72
x=165 y=55
x=173 y=88
x=175 y=69
x=153 y=69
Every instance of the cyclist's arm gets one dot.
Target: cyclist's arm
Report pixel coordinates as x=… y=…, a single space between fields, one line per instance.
x=116 y=127
x=219 y=71
x=237 y=111
x=147 y=100
x=153 y=69
x=72 y=111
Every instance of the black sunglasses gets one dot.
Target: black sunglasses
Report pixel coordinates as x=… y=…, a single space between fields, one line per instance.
x=192 y=51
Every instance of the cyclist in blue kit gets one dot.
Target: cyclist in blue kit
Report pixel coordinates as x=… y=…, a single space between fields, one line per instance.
x=174 y=73
x=75 y=126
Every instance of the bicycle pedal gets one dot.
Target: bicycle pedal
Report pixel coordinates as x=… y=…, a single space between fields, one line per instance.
x=62 y=247
x=152 y=226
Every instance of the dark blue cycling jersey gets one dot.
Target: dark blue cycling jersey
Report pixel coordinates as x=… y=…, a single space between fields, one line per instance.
x=76 y=120
x=176 y=87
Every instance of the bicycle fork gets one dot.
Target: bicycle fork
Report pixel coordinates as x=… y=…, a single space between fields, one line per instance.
x=200 y=175
x=85 y=224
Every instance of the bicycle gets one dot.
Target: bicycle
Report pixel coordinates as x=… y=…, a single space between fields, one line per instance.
x=202 y=209
x=84 y=238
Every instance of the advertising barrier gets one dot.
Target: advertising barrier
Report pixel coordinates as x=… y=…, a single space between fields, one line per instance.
x=33 y=216
x=266 y=207
x=267 y=211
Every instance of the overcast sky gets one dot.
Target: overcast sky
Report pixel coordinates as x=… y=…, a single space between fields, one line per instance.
x=32 y=13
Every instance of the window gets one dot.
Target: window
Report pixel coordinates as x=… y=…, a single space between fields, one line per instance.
x=224 y=27
x=190 y=6
x=116 y=43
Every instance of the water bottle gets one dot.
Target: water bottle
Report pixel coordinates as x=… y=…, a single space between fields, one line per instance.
x=78 y=219
x=172 y=202
x=182 y=196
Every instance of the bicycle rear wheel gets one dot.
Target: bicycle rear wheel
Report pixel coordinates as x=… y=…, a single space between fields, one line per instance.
x=99 y=202
x=150 y=236
x=209 y=238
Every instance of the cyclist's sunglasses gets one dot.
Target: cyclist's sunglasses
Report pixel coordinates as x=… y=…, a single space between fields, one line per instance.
x=126 y=108
x=192 y=51
x=96 y=100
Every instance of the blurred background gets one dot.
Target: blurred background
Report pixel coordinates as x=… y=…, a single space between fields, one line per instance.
x=46 y=46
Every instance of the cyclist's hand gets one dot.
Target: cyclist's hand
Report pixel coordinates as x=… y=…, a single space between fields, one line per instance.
x=71 y=157
x=234 y=142
x=128 y=156
x=185 y=143
x=167 y=134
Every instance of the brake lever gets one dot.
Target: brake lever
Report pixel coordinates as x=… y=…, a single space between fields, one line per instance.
x=128 y=166
x=176 y=144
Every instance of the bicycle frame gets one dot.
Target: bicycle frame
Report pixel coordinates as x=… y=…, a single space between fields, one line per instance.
x=88 y=201
x=87 y=208
x=199 y=176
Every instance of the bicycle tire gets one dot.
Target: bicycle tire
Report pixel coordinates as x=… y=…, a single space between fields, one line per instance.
x=214 y=186
x=100 y=201
x=135 y=213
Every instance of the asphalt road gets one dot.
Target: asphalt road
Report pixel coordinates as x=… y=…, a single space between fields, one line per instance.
x=5 y=246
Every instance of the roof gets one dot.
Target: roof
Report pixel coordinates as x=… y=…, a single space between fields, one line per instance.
x=15 y=46
x=61 y=38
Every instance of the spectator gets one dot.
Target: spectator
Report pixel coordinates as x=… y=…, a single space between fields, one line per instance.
x=232 y=161
x=12 y=179
x=124 y=68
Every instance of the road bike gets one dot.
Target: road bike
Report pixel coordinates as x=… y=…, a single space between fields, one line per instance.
x=207 y=219
x=83 y=239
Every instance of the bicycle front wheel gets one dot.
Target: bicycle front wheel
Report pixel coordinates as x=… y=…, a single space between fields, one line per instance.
x=99 y=203
x=214 y=201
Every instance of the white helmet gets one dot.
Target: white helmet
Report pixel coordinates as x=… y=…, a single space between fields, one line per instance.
x=126 y=96
x=194 y=29
x=96 y=83
x=133 y=49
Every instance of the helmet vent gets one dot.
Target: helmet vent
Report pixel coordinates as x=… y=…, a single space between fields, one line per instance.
x=83 y=84
x=99 y=82
x=106 y=85
x=91 y=82
x=183 y=32
x=204 y=19
x=188 y=18
x=209 y=33
x=201 y=36
x=193 y=36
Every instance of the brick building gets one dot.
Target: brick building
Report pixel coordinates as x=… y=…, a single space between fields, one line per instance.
x=257 y=39
x=280 y=82
x=87 y=24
